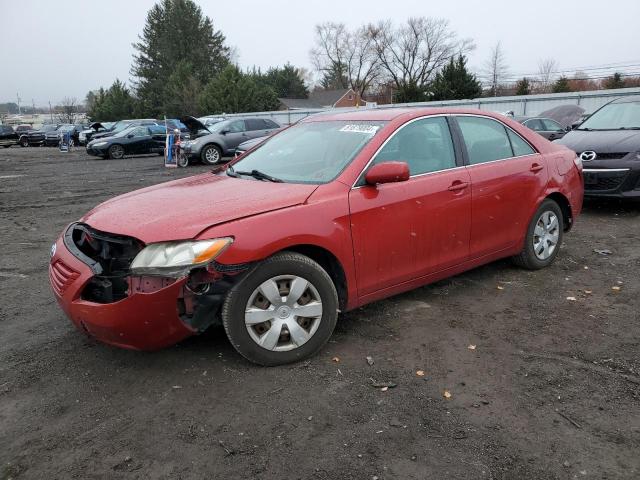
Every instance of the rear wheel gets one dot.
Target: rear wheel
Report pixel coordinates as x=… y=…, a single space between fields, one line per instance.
x=183 y=160
x=284 y=311
x=544 y=237
x=211 y=154
x=24 y=142
x=116 y=152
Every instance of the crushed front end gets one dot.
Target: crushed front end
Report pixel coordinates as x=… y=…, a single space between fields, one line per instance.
x=91 y=278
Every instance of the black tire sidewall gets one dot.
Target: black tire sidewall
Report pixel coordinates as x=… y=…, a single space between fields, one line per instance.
x=236 y=302
x=110 y=152
x=532 y=259
x=203 y=155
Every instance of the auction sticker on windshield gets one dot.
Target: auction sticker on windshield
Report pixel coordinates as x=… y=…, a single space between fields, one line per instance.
x=368 y=129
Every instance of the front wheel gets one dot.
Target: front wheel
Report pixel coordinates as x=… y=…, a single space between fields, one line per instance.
x=284 y=311
x=543 y=239
x=24 y=142
x=211 y=154
x=183 y=160
x=116 y=152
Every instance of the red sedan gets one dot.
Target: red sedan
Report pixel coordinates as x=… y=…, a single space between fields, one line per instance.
x=335 y=212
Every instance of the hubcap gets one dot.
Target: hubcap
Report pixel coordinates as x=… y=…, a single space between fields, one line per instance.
x=212 y=155
x=546 y=235
x=283 y=313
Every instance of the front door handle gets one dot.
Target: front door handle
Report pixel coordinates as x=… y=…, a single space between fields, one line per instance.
x=458 y=185
x=536 y=167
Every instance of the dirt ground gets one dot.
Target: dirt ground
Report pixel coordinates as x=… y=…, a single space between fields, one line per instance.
x=551 y=390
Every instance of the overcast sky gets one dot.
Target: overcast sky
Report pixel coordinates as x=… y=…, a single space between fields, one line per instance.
x=64 y=49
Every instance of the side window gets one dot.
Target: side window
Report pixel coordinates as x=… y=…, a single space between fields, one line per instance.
x=270 y=124
x=236 y=126
x=254 y=124
x=140 y=132
x=486 y=139
x=551 y=126
x=520 y=147
x=424 y=144
x=535 y=125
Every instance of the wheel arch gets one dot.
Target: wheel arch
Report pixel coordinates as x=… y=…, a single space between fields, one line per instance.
x=329 y=262
x=565 y=207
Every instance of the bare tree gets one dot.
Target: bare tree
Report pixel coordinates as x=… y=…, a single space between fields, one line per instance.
x=496 y=69
x=547 y=69
x=349 y=58
x=411 y=54
x=67 y=111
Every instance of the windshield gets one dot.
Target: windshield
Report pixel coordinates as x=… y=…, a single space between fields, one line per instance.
x=48 y=128
x=119 y=126
x=614 y=116
x=126 y=130
x=313 y=152
x=65 y=128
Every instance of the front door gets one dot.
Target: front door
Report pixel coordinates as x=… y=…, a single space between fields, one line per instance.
x=402 y=231
x=237 y=133
x=508 y=177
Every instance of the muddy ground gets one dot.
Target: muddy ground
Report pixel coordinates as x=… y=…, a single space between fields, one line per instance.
x=551 y=390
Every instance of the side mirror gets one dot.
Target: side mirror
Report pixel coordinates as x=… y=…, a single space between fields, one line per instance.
x=224 y=132
x=130 y=135
x=387 y=172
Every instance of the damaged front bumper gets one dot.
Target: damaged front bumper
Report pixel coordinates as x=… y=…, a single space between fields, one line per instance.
x=89 y=277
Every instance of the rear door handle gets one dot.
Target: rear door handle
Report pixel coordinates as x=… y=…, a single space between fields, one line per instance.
x=536 y=167
x=458 y=185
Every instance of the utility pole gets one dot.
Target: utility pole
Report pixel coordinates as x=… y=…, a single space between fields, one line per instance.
x=18 y=97
x=50 y=112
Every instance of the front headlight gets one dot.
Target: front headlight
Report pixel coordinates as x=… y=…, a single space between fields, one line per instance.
x=176 y=259
x=98 y=144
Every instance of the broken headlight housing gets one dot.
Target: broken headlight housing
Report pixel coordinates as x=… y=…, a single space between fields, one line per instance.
x=177 y=259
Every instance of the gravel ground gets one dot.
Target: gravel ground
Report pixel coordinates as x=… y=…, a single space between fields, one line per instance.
x=550 y=391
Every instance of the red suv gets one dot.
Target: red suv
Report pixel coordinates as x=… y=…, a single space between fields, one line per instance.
x=335 y=212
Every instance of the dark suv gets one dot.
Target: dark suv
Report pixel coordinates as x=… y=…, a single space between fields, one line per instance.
x=608 y=143
x=8 y=136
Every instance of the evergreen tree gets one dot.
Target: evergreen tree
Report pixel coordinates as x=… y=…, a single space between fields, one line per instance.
x=455 y=82
x=175 y=31
x=335 y=78
x=286 y=82
x=615 y=81
x=235 y=92
x=561 y=85
x=113 y=104
x=182 y=90
x=523 y=87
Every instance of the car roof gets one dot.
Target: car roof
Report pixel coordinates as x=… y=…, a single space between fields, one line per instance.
x=634 y=99
x=389 y=114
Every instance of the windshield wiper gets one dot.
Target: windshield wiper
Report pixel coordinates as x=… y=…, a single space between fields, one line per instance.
x=259 y=175
x=253 y=173
x=629 y=128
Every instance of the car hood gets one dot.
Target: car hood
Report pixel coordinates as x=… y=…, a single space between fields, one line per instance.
x=607 y=141
x=193 y=124
x=181 y=209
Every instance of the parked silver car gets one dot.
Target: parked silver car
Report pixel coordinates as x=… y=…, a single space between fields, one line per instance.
x=226 y=136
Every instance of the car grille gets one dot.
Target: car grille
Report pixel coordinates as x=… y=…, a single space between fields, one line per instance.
x=61 y=276
x=611 y=156
x=603 y=181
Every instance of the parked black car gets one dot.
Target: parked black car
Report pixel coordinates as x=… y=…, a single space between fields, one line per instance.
x=120 y=125
x=134 y=140
x=549 y=129
x=608 y=143
x=37 y=137
x=8 y=136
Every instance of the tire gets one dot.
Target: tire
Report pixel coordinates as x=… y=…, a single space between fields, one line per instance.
x=319 y=296
x=116 y=152
x=210 y=154
x=24 y=142
x=183 y=160
x=543 y=239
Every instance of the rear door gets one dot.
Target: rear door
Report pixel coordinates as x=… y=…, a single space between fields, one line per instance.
x=402 y=231
x=508 y=178
x=138 y=141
